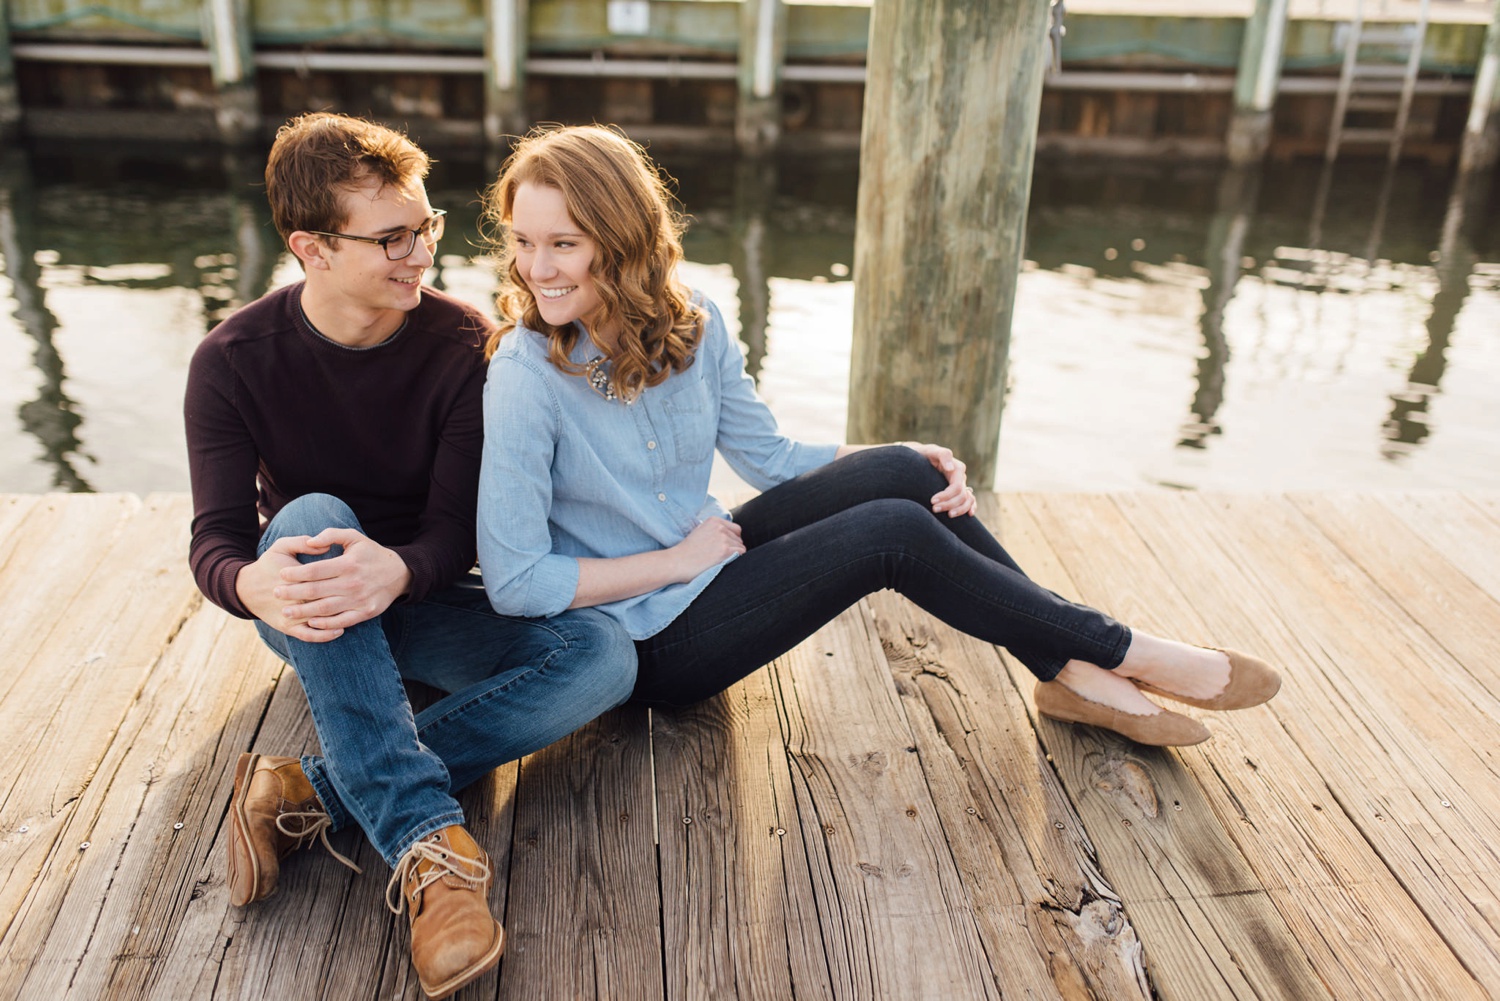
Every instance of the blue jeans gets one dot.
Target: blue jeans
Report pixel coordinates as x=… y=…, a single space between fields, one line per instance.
x=516 y=686
x=818 y=543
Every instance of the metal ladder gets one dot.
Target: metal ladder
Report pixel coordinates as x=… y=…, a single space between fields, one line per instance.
x=1367 y=85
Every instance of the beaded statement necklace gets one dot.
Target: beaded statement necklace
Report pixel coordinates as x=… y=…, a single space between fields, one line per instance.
x=597 y=370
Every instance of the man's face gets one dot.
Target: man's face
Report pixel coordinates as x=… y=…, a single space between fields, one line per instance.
x=358 y=275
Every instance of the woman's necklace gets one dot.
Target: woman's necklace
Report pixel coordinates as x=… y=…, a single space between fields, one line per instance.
x=597 y=370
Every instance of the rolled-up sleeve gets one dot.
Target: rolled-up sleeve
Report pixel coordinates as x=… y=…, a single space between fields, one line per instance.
x=748 y=436
x=522 y=421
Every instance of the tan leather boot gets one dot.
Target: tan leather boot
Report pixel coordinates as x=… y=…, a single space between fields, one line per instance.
x=274 y=811
x=444 y=881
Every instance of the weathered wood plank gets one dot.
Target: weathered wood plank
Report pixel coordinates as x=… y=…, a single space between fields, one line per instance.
x=583 y=915
x=1375 y=719
x=1039 y=897
x=71 y=687
x=1440 y=599
x=897 y=920
x=1353 y=919
x=46 y=561
x=13 y=511
x=1208 y=925
x=1464 y=528
x=738 y=907
x=1343 y=834
x=117 y=913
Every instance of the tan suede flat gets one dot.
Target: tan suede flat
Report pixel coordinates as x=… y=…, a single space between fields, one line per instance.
x=1251 y=682
x=1164 y=729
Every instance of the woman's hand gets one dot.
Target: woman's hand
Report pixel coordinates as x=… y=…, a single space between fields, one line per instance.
x=711 y=543
x=957 y=498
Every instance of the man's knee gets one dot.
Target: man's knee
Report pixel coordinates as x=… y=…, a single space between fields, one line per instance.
x=604 y=653
x=309 y=515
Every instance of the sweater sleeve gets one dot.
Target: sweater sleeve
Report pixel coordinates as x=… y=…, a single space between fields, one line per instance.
x=522 y=421
x=443 y=549
x=222 y=463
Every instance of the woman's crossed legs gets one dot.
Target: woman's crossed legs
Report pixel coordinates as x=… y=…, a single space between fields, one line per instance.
x=820 y=542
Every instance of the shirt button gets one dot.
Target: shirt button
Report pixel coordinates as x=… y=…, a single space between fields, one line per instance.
x=661 y=497
x=650 y=444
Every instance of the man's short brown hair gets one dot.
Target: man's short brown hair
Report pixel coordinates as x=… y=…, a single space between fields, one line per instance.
x=316 y=157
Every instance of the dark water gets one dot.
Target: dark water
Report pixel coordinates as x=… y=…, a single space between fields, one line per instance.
x=1176 y=325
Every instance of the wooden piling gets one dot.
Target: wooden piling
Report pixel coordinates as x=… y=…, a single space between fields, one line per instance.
x=757 y=124
x=951 y=109
x=505 y=46
x=10 y=97
x=1481 y=148
x=232 y=62
x=1256 y=82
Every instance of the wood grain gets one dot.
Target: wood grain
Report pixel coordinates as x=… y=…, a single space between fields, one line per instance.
x=879 y=813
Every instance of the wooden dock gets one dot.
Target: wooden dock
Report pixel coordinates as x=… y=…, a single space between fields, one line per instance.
x=878 y=815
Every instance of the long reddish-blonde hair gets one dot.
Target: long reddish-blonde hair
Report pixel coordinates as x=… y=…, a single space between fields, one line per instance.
x=617 y=196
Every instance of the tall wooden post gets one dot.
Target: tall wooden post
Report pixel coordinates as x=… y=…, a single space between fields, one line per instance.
x=757 y=122
x=10 y=96
x=506 y=37
x=952 y=99
x=232 y=61
x=1256 y=82
x=1481 y=146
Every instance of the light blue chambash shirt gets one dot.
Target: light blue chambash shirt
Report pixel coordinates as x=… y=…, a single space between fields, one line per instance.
x=569 y=474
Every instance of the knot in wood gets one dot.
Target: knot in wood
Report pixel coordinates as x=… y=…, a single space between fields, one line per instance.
x=1127 y=780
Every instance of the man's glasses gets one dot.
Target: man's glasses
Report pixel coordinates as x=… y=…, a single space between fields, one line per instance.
x=398 y=246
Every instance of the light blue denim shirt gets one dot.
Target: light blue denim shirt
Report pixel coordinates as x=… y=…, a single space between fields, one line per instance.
x=569 y=474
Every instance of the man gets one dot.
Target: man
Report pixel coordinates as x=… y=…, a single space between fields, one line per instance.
x=345 y=411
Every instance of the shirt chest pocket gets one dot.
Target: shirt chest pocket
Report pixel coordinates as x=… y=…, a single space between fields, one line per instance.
x=693 y=427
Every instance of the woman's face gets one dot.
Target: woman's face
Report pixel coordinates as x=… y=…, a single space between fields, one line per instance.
x=553 y=256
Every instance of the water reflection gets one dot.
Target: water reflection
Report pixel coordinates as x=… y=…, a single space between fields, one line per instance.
x=1407 y=425
x=1238 y=189
x=247 y=274
x=754 y=191
x=1176 y=324
x=51 y=417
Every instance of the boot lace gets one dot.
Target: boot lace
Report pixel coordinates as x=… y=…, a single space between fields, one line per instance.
x=472 y=872
x=311 y=825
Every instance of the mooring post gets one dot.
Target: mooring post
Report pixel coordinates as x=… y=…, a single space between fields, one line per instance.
x=1482 y=134
x=952 y=98
x=506 y=36
x=757 y=120
x=10 y=95
x=232 y=61
x=1256 y=82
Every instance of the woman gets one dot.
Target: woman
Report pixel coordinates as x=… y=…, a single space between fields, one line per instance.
x=611 y=385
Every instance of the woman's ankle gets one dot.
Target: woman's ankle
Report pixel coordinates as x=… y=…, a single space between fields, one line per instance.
x=1106 y=688
x=1174 y=666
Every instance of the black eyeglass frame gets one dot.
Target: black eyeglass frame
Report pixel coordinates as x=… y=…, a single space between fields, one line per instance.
x=433 y=225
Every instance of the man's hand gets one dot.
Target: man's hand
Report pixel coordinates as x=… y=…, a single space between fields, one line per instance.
x=353 y=587
x=317 y=601
x=257 y=583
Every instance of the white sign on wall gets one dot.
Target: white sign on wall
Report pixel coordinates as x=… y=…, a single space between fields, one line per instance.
x=629 y=17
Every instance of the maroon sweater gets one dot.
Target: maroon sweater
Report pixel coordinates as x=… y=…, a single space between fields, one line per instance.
x=274 y=410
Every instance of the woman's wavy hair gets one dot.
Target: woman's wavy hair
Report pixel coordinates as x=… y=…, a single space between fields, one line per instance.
x=619 y=198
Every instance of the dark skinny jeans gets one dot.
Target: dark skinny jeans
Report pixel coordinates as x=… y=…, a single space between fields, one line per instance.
x=817 y=544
